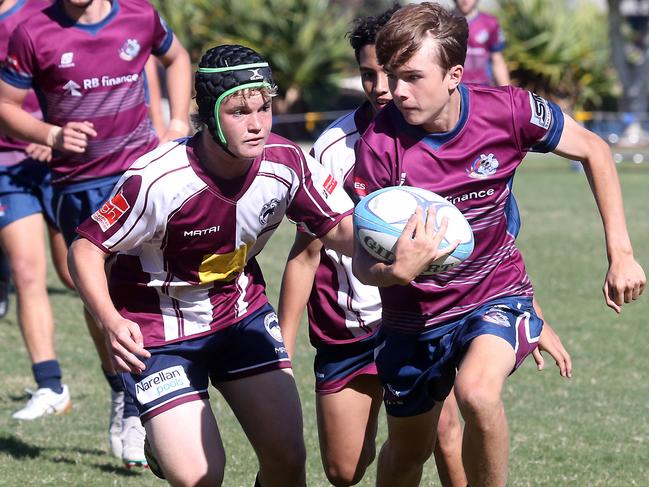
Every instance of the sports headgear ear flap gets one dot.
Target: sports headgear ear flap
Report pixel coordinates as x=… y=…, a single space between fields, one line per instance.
x=257 y=75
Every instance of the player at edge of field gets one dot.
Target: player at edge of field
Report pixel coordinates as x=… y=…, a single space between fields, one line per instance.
x=25 y=214
x=477 y=318
x=485 y=63
x=344 y=314
x=93 y=89
x=196 y=212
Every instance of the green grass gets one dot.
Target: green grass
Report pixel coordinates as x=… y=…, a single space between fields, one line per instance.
x=592 y=430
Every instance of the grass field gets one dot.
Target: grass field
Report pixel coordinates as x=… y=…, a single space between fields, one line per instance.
x=590 y=431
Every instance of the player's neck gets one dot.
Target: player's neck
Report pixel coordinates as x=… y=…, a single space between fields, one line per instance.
x=6 y=5
x=472 y=14
x=447 y=118
x=217 y=161
x=93 y=13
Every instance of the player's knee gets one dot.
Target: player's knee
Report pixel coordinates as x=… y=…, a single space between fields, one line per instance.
x=345 y=472
x=26 y=275
x=408 y=456
x=480 y=402
x=449 y=429
x=196 y=478
x=287 y=462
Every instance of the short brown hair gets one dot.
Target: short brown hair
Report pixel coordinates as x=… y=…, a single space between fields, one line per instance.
x=405 y=32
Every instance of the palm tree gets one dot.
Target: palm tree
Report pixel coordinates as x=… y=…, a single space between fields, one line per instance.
x=303 y=40
x=559 y=49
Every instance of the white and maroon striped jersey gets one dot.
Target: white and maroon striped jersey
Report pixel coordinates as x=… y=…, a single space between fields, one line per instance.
x=184 y=241
x=341 y=309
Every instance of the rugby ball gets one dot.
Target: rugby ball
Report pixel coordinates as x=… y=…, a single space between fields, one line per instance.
x=379 y=219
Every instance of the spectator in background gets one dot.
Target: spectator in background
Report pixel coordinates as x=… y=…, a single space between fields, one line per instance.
x=96 y=123
x=485 y=63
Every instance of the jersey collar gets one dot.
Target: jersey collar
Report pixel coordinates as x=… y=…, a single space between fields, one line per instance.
x=437 y=139
x=93 y=29
x=19 y=4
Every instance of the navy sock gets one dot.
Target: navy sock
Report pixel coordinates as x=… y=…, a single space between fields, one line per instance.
x=115 y=381
x=48 y=374
x=130 y=409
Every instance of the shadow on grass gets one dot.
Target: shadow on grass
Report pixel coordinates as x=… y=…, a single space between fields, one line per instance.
x=19 y=450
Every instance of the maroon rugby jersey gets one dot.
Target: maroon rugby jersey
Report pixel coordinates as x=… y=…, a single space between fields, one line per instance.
x=184 y=242
x=472 y=166
x=94 y=73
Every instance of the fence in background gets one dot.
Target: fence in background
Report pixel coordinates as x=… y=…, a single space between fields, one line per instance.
x=626 y=145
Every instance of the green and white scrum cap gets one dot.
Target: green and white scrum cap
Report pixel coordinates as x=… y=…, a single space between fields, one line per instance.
x=223 y=70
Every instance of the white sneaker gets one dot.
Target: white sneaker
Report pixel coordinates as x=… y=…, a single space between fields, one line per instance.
x=45 y=401
x=115 y=423
x=133 y=435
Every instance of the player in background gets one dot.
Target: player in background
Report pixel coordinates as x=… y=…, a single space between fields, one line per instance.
x=484 y=63
x=194 y=214
x=25 y=213
x=465 y=143
x=96 y=122
x=344 y=314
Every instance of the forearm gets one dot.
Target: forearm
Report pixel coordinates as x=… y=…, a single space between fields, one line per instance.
x=155 y=106
x=605 y=185
x=179 y=80
x=500 y=70
x=297 y=283
x=86 y=265
x=17 y=123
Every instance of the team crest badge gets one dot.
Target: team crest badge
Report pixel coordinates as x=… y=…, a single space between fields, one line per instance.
x=483 y=167
x=268 y=210
x=129 y=50
x=272 y=327
x=482 y=36
x=497 y=318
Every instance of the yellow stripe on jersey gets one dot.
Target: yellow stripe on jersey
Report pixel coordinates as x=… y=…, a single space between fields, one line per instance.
x=222 y=267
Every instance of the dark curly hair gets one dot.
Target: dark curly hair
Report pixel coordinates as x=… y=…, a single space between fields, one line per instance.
x=365 y=29
x=211 y=83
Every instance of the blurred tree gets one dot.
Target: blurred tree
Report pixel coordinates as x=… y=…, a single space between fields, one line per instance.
x=559 y=50
x=303 y=40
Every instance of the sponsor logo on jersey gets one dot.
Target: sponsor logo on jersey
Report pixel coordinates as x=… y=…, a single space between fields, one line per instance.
x=2 y=209
x=67 y=60
x=200 y=233
x=89 y=83
x=267 y=211
x=160 y=384
x=496 y=317
x=473 y=195
x=329 y=186
x=483 y=167
x=72 y=88
x=272 y=327
x=541 y=114
x=111 y=211
x=129 y=50
x=360 y=186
